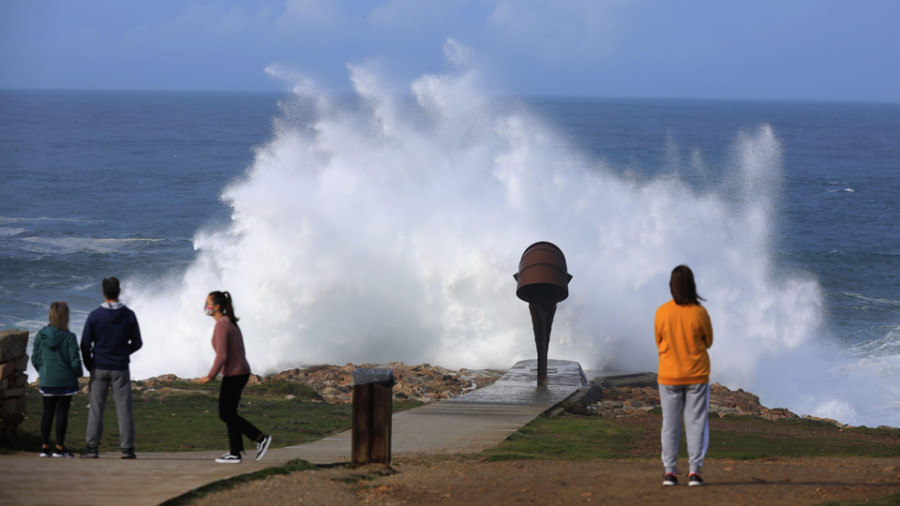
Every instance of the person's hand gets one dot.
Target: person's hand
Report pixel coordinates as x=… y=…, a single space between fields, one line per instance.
x=202 y=380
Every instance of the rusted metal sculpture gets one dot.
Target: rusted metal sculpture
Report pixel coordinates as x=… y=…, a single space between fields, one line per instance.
x=543 y=281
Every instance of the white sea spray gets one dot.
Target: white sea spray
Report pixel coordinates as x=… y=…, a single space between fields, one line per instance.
x=388 y=229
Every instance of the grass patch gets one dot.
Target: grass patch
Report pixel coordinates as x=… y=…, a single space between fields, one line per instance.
x=888 y=500
x=752 y=438
x=567 y=438
x=184 y=416
x=576 y=437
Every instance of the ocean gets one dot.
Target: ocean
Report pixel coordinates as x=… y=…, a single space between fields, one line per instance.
x=374 y=228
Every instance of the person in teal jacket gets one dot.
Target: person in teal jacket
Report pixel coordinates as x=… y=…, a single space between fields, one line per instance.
x=56 y=356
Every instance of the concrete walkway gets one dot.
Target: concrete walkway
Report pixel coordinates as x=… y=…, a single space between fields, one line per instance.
x=468 y=423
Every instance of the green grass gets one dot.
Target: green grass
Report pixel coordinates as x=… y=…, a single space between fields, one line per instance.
x=575 y=437
x=798 y=438
x=888 y=500
x=183 y=416
x=566 y=438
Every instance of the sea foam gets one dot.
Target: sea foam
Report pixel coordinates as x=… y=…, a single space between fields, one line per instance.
x=387 y=228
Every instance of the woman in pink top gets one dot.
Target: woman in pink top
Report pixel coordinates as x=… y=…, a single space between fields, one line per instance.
x=231 y=362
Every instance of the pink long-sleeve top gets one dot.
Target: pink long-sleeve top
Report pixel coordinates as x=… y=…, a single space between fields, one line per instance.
x=228 y=342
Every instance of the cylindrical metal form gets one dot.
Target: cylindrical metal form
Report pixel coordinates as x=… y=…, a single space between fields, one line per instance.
x=543 y=281
x=543 y=276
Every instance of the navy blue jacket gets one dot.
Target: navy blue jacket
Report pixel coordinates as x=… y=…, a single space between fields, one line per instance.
x=110 y=336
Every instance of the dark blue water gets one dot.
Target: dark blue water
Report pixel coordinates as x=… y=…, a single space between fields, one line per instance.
x=130 y=183
x=112 y=182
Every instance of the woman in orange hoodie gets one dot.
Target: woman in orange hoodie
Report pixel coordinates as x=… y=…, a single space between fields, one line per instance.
x=683 y=334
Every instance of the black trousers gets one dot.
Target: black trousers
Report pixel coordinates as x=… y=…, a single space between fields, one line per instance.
x=58 y=405
x=229 y=398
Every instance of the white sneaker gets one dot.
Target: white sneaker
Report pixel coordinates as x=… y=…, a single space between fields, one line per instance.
x=229 y=458
x=263 y=446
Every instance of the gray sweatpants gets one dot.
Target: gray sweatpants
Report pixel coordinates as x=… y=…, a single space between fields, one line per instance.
x=690 y=403
x=101 y=380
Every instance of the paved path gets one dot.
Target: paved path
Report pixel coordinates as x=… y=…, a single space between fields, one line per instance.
x=468 y=423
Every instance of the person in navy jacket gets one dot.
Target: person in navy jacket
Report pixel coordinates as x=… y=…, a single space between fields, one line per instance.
x=111 y=334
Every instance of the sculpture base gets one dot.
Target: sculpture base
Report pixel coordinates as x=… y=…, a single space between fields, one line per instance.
x=517 y=386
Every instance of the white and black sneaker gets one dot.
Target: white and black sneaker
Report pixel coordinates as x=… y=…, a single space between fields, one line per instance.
x=262 y=446
x=62 y=453
x=229 y=458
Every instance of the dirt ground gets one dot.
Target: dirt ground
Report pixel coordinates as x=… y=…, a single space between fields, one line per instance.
x=441 y=481
x=458 y=480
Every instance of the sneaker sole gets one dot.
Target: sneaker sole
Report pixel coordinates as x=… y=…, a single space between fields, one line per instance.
x=265 y=448
x=220 y=461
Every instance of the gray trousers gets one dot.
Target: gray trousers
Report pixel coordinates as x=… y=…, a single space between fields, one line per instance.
x=101 y=380
x=691 y=404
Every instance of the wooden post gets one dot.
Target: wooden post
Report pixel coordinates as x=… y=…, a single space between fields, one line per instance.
x=371 y=424
x=359 y=436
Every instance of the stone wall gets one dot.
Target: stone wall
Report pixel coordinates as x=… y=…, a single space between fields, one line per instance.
x=13 y=363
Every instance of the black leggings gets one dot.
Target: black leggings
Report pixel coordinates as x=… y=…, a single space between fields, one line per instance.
x=60 y=406
x=229 y=398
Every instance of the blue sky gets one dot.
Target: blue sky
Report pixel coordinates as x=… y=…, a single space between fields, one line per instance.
x=759 y=49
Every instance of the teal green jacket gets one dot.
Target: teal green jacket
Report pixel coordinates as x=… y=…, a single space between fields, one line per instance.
x=56 y=357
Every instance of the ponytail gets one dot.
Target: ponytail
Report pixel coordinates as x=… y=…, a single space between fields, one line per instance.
x=223 y=300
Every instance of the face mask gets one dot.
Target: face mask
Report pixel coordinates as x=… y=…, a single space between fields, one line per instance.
x=209 y=310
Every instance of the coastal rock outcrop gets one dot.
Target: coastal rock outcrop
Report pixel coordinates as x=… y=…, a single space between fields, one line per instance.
x=424 y=382
x=334 y=384
x=636 y=394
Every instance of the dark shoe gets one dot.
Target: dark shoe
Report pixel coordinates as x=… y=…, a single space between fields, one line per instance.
x=62 y=453
x=45 y=451
x=128 y=453
x=263 y=446
x=694 y=480
x=670 y=480
x=90 y=453
x=229 y=458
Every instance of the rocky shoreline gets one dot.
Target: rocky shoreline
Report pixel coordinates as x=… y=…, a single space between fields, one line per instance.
x=617 y=396
x=636 y=394
x=424 y=383
x=334 y=384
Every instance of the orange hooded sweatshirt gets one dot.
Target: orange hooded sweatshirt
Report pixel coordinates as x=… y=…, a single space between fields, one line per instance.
x=683 y=334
